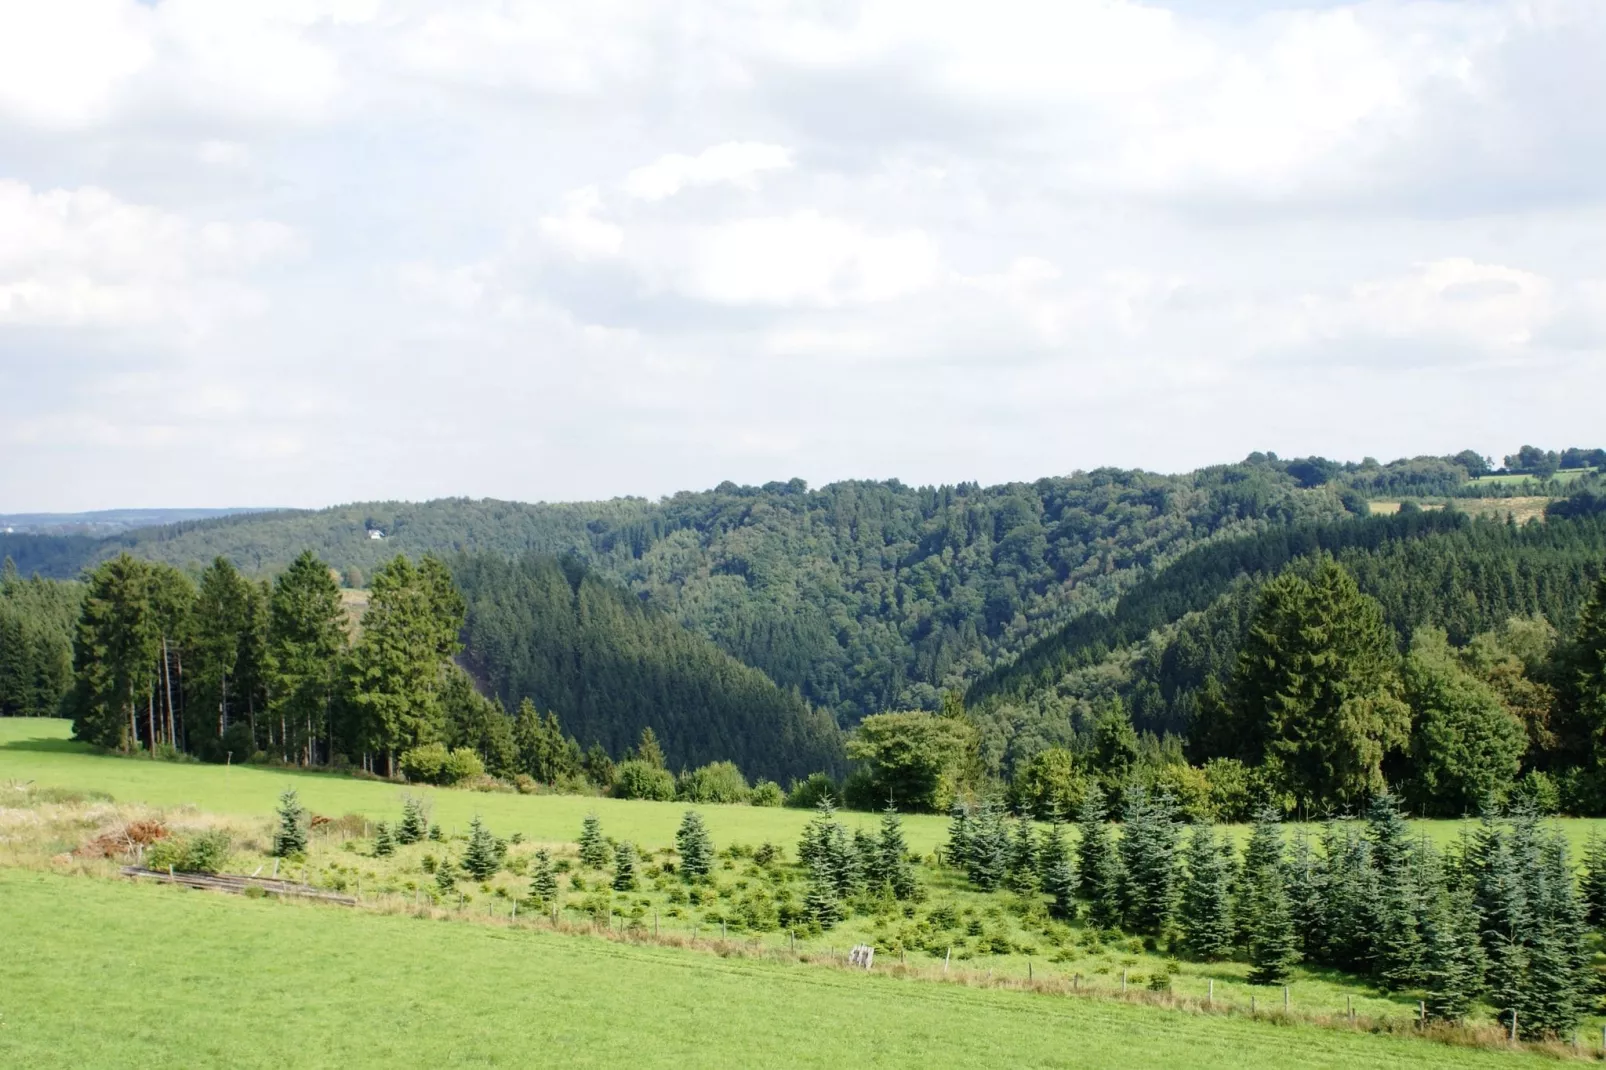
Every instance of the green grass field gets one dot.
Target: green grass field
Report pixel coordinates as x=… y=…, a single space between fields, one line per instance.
x=110 y=974
x=1564 y=476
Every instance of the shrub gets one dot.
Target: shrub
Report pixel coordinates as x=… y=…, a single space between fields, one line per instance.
x=462 y=764
x=425 y=764
x=206 y=852
x=1232 y=795
x=716 y=782
x=766 y=793
x=806 y=794
x=636 y=779
x=1537 y=790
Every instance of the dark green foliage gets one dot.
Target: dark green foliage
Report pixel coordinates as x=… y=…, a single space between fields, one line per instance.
x=624 y=867
x=36 y=643
x=384 y=842
x=716 y=782
x=290 y=834
x=1022 y=875
x=1205 y=913
x=306 y=640
x=1592 y=882
x=961 y=835
x=1305 y=884
x=828 y=854
x=1148 y=852
x=1055 y=872
x=611 y=667
x=545 y=751
x=1262 y=906
x=1098 y=863
x=893 y=868
x=1452 y=963
x=1397 y=948
x=474 y=722
x=445 y=877
x=413 y=825
x=594 y=852
x=543 y=879
x=1350 y=903
x=695 y=846
x=987 y=861
x=1466 y=747
x=1048 y=786
x=636 y=779
x=480 y=860
x=226 y=665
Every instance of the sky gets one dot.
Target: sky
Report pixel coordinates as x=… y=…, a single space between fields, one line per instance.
x=300 y=252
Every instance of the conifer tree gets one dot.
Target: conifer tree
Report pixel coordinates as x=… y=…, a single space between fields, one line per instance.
x=445 y=879
x=827 y=852
x=1098 y=863
x=648 y=750
x=821 y=901
x=1051 y=849
x=1397 y=951
x=1305 y=880
x=989 y=847
x=543 y=880
x=959 y=835
x=1273 y=946
x=1351 y=899
x=1452 y=956
x=1023 y=863
x=594 y=853
x=413 y=826
x=893 y=857
x=624 y=866
x=290 y=837
x=866 y=856
x=384 y=842
x=1148 y=852
x=1206 y=911
x=480 y=860
x=695 y=847
x=1592 y=883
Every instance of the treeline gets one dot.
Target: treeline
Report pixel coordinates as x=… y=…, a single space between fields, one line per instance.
x=1499 y=919
x=36 y=622
x=548 y=630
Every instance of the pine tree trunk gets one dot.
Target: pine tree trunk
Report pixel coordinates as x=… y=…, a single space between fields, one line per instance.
x=167 y=685
x=150 y=713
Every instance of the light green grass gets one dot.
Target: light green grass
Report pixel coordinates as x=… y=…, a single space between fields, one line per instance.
x=1564 y=476
x=108 y=974
x=40 y=750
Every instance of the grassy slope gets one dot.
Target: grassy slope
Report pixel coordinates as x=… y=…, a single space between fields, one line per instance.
x=256 y=983
x=39 y=750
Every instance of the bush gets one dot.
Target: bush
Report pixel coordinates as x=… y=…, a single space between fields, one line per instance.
x=1048 y=787
x=1188 y=787
x=205 y=852
x=1232 y=795
x=636 y=779
x=434 y=764
x=717 y=782
x=766 y=793
x=1537 y=790
x=807 y=794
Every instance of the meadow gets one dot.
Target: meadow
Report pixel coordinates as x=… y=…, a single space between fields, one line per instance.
x=113 y=974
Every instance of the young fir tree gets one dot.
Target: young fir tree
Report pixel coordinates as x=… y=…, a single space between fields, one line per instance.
x=892 y=854
x=866 y=856
x=624 y=867
x=1206 y=912
x=480 y=861
x=827 y=851
x=960 y=834
x=1558 y=990
x=989 y=847
x=413 y=826
x=384 y=842
x=1452 y=956
x=822 y=902
x=1022 y=865
x=543 y=879
x=1059 y=881
x=1351 y=899
x=1273 y=946
x=1098 y=863
x=1051 y=849
x=1305 y=880
x=1148 y=851
x=1397 y=949
x=695 y=846
x=1263 y=856
x=290 y=837
x=1592 y=883
x=445 y=877
x=594 y=853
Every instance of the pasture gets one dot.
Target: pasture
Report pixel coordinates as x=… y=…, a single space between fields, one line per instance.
x=112 y=974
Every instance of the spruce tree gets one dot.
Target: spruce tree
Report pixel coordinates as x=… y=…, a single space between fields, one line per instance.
x=1051 y=850
x=1098 y=863
x=959 y=835
x=821 y=901
x=1273 y=945
x=445 y=879
x=893 y=857
x=695 y=846
x=1148 y=851
x=384 y=842
x=1452 y=959
x=480 y=861
x=1351 y=899
x=1023 y=865
x=1592 y=883
x=989 y=847
x=624 y=866
x=1206 y=911
x=290 y=837
x=543 y=880
x=1305 y=880
x=413 y=825
x=827 y=852
x=1397 y=950
x=594 y=853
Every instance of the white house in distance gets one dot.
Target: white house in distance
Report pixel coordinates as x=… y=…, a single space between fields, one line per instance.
x=375 y=534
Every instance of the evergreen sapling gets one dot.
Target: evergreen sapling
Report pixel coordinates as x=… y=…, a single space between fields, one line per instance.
x=594 y=853
x=290 y=837
x=695 y=847
x=480 y=861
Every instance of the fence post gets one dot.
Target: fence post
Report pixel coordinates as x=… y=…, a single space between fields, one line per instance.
x=1210 y=997
x=1513 y=1025
x=1349 y=1008
x=950 y=954
x=1076 y=982
x=1251 y=1004
x=1285 y=999
x=1421 y=1014
x=1123 y=980
x=1028 y=971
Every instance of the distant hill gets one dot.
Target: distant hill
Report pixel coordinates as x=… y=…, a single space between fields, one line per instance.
x=106 y=521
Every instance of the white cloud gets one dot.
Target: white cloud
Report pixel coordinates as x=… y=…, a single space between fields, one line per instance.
x=85 y=257
x=738 y=163
x=581 y=230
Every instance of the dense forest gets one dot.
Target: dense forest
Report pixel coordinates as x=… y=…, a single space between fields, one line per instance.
x=545 y=629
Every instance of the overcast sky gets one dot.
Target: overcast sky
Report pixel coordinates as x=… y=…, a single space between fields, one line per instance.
x=298 y=252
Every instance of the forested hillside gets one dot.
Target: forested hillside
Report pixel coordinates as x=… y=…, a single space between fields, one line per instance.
x=36 y=625
x=549 y=631
x=862 y=596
